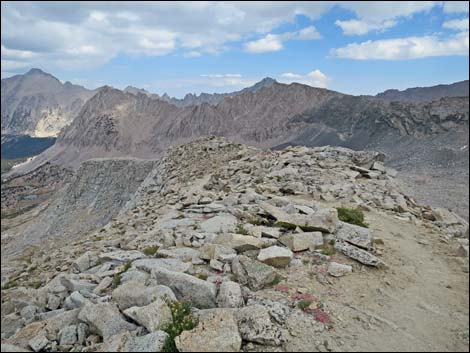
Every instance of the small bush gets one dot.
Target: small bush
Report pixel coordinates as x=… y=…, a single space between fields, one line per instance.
x=328 y=250
x=117 y=276
x=285 y=225
x=9 y=285
x=304 y=304
x=36 y=285
x=278 y=279
x=202 y=276
x=352 y=215
x=151 y=250
x=182 y=321
x=241 y=229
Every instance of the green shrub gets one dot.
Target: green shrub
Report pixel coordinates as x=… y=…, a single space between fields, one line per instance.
x=117 y=276
x=202 y=276
x=151 y=250
x=36 y=285
x=328 y=250
x=9 y=285
x=278 y=279
x=304 y=304
x=182 y=321
x=285 y=225
x=352 y=215
x=241 y=229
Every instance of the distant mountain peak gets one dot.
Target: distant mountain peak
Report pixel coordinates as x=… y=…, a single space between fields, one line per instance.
x=267 y=81
x=36 y=71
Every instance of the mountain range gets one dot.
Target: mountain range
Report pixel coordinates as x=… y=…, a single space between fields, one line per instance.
x=137 y=123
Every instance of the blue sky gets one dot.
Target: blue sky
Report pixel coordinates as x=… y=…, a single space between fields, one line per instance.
x=173 y=47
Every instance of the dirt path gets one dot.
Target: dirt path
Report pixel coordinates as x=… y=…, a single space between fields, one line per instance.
x=419 y=304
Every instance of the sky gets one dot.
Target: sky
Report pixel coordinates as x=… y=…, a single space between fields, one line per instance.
x=192 y=47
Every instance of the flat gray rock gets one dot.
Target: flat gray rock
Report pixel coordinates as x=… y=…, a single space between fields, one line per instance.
x=104 y=319
x=356 y=235
x=199 y=293
x=155 y=316
x=252 y=273
x=217 y=331
x=275 y=256
x=358 y=254
x=222 y=223
x=230 y=295
x=170 y=264
x=136 y=293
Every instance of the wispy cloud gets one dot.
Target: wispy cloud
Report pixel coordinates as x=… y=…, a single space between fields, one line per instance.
x=274 y=42
x=405 y=48
x=457 y=25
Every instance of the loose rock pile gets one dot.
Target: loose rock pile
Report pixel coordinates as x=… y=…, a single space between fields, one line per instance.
x=217 y=225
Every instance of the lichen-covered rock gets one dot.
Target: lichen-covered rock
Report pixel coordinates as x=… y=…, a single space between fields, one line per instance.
x=199 y=293
x=323 y=220
x=222 y=223
x=230 y=295
x=252 y=273
x=302 y=241
x=255 y=325
x=135 y=293
x=155 y=316
x=217 y=331
x=121 y=256
x=358 y=254
x=129 y=342
x=355 y=235
x=104 y=319
x=215 y=251
x=176 y=265
x=239 y=242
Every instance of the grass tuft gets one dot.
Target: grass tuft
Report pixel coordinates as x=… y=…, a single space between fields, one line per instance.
x=352 y=216
x=151 y=250
x=241 y=229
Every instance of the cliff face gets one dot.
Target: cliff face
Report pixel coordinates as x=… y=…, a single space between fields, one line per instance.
x=96 y=192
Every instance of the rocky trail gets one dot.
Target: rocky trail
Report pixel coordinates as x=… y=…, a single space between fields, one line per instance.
x=252 y=241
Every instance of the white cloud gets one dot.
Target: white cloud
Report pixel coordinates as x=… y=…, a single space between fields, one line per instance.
x=192 y=54
x=83 y=35
x=269 y=43
x=89 y=34
x=380 y=15
x=274 y=42
x=308 y=33
x=359 y=27
x=405 y=48
x=456 y=6
x=315 y=78
x=458 y=25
